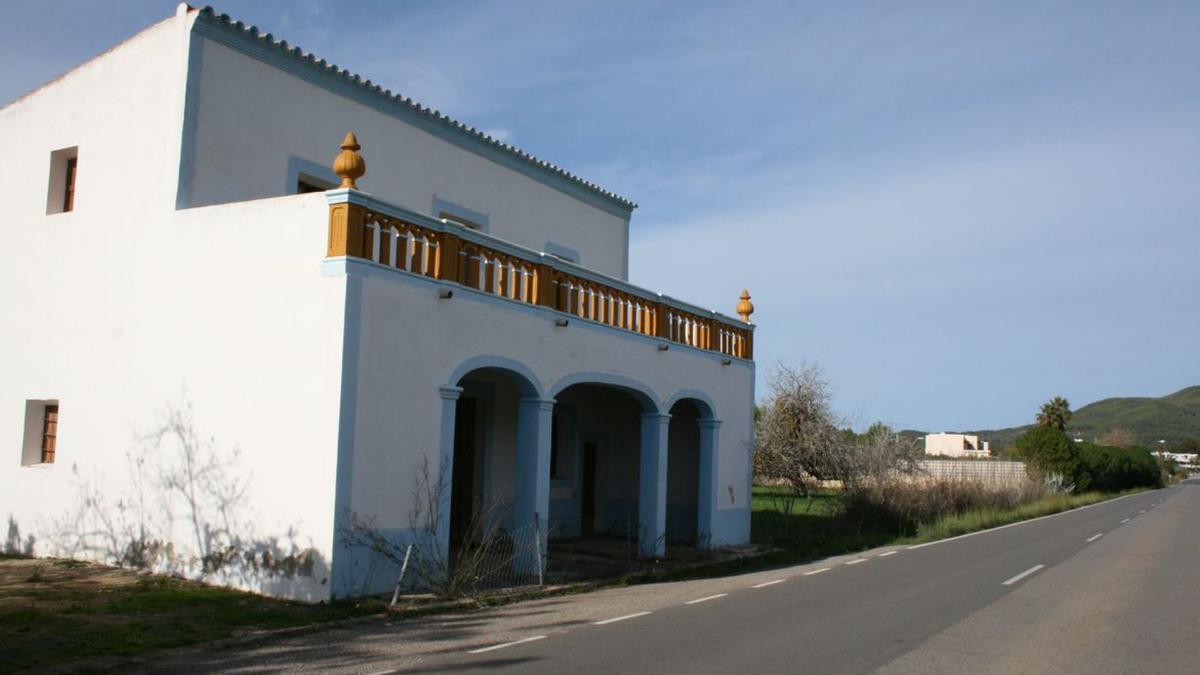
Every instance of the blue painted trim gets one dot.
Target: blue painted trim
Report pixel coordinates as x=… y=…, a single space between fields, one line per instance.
x=291 y=60
x=441 y=206
x=643 y=394
x=731 y=527
x=565 y=252
x=523 y=376
x=344 y=265
x=708 y=410
x=750 y=442
x=359 y=198
x=191 y=111
x=298 y=166
x=347 y=424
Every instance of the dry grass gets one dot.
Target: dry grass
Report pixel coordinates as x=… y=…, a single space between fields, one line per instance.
x=54 y=612
x=902 y=504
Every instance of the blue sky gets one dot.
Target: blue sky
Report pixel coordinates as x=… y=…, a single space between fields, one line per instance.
x=957 y=209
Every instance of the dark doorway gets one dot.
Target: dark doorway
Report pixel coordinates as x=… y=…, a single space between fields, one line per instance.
x=462 y=488
x=588 y=493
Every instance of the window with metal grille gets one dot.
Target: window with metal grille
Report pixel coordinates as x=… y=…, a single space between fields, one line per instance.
x=69 y=187
x=49 y=433
x=39 y=446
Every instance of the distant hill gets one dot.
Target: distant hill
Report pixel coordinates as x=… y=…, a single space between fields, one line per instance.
x=1170 y=418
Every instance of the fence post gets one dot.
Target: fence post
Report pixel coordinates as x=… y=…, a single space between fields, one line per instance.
x=447 y=257
x=400 y=580
x=346 y=222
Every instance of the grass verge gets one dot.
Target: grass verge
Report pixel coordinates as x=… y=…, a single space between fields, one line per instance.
x=54 y=612
x=820 y=527
x=983 y=519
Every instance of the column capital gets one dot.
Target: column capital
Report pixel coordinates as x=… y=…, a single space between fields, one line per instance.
x=709 y=423
x=543 y=404
x=660 y=417
x=450 y=393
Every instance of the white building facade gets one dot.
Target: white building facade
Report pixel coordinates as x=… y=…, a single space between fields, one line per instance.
x=218 y=359
x=956 y=445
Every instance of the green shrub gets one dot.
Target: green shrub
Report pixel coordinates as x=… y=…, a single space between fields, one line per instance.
x=1110 y=469
x=1046 y=450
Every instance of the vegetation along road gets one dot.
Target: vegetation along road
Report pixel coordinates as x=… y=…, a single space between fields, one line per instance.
x=1108 y=588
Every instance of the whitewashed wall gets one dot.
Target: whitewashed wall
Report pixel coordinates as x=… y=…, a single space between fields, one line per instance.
x=412 y=342
x=133 y=315
x=129 y=312
x=252 y=118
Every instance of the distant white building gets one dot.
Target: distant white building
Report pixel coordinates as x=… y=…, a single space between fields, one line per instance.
x=1185 y=459
x=956 y=445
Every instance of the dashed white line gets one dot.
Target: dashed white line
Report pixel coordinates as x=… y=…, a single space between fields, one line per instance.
x=1124 y=521
x=1022 y=575
x=768 y=583
x=856 y=561
x=1142 y=511
x=706 y=599
x=887 y=553
x=1094 y=537
x=383 y=672
x=620 y=618
x=507 y=644
x=823 y=569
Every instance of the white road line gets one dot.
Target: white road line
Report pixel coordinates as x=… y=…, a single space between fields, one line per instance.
x=1023 y=522
x=1124 y=521
x=1022 y=575
x=1094 y=537
x=823 y=569
x=856 y=561
x=887 y=553
x=1142 y=511
x=768 y=583
x=382 y=672
x=507 y=644
x=706 y=599
x=620 y=618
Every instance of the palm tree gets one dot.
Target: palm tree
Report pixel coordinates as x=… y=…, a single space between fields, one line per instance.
x=1055 y=414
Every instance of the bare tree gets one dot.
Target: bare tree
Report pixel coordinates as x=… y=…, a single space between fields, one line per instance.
x=796 y=438
x=486 y=557
x=192 y=469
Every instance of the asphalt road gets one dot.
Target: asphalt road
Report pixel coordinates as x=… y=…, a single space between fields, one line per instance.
x=1114 y=587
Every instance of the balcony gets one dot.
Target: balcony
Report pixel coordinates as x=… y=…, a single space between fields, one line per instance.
x=361 y=226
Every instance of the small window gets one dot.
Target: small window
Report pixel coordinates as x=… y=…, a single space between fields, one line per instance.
x=469 y=224
x=49 y=433
x=468 y=218
x=306 y=184
x=41 y=432
x=562 y=252
x=64 y=170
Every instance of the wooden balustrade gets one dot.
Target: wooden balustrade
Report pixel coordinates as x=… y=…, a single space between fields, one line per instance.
x=448 y=253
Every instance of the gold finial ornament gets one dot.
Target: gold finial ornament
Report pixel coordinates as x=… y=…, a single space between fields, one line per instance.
x=349 y=165
x=744 y=307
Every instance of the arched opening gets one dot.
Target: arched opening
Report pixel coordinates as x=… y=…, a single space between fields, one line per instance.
x=483 y=457
x=683 y=474
x=595 y=463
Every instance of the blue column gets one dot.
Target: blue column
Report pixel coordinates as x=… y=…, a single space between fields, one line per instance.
x=652 y=491
x=532 y=499
x=708 y=499
x=442 y=473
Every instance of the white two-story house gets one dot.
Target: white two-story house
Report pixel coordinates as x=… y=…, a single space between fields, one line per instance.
x=219 y=352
